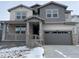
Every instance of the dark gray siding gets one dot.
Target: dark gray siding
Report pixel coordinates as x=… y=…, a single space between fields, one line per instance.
x=52 y=6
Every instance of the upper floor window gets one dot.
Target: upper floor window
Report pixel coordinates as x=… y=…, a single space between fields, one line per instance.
x=20 y=15
x=52 y=13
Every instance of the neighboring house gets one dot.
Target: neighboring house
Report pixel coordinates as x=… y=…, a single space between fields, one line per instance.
x=75 y=18
x=49 y=23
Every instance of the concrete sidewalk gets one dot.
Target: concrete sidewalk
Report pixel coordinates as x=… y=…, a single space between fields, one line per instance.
x=61 y=51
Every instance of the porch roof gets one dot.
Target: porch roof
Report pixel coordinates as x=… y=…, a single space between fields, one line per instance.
x=35 y=17
x=15 y=22
x=23 y=22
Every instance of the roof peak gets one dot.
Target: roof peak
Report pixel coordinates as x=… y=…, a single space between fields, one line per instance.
x=35 y=5
x=52 y=2
x=20 y=5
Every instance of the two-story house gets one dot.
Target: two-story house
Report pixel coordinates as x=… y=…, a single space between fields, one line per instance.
x=48 y=23
x=75 y=18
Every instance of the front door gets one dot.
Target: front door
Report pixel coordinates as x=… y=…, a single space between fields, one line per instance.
x=34 y=30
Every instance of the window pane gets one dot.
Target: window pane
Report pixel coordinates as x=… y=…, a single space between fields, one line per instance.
x=23 y=28
x=17 y=29
x=48 y=15
x=18 y=17
x=48 y=12
x=54 y=15
x=23 y=17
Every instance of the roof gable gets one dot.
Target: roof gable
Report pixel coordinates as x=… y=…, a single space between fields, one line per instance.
x=21 y=5
x=52 y=2
x=36 y=5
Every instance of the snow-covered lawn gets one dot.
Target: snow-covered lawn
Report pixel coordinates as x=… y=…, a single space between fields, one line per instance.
x=22 y=52
x=15 y=52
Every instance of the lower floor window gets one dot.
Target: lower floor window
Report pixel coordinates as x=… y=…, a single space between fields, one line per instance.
x=23 y=29
x=20 y=29
x=17 y=29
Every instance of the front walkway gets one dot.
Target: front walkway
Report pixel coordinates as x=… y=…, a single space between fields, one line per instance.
x=62 y=51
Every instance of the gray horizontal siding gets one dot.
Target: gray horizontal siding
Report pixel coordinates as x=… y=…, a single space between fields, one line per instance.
x=15 y=37
x=52 y=6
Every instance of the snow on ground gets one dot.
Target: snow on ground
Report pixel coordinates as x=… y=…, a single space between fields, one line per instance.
x=22 y=52
x=15 y=52
x=37 y=52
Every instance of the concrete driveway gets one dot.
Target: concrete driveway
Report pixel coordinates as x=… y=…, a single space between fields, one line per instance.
x=61 y=51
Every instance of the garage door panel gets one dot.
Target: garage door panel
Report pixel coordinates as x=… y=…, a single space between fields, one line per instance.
x=57 y=38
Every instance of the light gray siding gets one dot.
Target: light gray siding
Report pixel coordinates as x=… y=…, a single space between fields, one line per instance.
x=52 y=6
x=19 y=9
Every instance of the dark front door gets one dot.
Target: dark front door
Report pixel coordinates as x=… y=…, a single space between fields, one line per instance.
x=36 y=29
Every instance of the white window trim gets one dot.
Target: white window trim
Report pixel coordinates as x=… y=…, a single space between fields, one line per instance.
x=52 y=13
x=20 y=29
x=21 y=14
x=16 y=29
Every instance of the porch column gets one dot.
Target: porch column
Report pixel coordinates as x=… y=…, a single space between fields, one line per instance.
x=41 y=32
x=3 y=32
x=75 y=36
x=27 y=33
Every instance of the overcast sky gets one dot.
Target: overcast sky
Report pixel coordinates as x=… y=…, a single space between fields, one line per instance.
x=5 y=5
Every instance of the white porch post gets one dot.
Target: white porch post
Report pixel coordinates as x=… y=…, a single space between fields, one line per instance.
x=3 y=32
x=41 y=32
x=27 y=33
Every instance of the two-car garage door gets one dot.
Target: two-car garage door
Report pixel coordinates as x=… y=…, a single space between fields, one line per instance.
x=57 y=38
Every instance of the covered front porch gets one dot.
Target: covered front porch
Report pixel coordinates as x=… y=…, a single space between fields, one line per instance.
x=29 y=31
x=34 y=32
x=14 y=31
